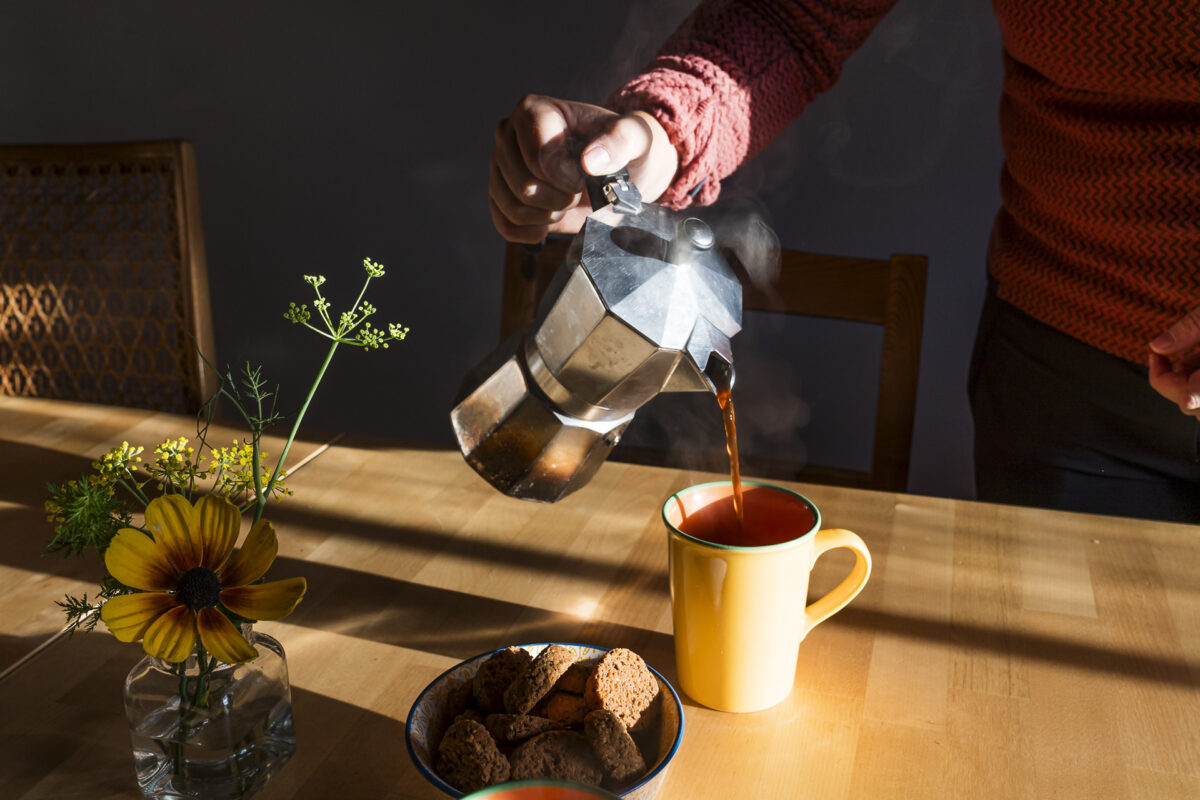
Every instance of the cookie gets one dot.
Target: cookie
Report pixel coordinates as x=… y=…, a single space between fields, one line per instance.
x=496 y=674
x=612 y=744
x=564 y=708
x=468 y=758
x=564 y=755
x=623 y=684
x=536 y=681
x=512 y=729
x=574 y=680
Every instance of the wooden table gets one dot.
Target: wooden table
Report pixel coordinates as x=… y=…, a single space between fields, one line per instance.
x=996 y=652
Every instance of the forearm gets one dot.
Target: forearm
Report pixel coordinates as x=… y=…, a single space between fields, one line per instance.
x=736 y=73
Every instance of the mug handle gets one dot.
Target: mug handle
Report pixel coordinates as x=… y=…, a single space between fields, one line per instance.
x=826 y=540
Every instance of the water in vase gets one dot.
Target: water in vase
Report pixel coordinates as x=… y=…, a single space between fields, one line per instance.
x=233 y=732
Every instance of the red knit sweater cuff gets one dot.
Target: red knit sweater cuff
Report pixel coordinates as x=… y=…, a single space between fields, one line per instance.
x=682 y=104
x=736 y=73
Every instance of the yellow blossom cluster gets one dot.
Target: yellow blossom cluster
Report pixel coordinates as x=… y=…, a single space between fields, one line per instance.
x=232 y=469
x=55 y=513
x=118 y=463
x=175 y=464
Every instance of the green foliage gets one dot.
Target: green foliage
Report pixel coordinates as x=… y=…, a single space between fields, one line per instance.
x=82 y=614
x=87 y=513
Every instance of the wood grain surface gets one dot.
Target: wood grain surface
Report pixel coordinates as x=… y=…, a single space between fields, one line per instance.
x=996 y=652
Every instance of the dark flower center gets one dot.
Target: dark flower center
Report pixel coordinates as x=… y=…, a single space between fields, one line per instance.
x=199 y=588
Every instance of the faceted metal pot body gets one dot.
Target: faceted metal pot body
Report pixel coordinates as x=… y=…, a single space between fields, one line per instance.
x=642 y=304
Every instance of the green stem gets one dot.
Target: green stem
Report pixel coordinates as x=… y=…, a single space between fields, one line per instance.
x=178 y=765
x=256 y=431
x=134 y=489
x=189 y=702
x=322 y=308
x=320 y=332
x=201 y=443
x=262 y=493
x=361 y=293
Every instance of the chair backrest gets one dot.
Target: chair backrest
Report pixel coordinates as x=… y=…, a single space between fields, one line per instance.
x=889 y=293
x=103 y=283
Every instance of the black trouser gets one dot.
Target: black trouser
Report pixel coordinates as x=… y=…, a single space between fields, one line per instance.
x=1060 y=424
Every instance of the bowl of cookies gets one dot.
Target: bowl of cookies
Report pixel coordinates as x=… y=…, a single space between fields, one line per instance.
x=551 y=711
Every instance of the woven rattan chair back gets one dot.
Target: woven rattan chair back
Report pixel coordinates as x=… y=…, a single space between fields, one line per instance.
x=889 y=293
x=103 y=284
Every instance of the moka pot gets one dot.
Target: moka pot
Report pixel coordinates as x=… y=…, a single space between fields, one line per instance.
x=643 y=303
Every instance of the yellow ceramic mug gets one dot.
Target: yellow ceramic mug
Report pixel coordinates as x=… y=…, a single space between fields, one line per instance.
x=738 y=595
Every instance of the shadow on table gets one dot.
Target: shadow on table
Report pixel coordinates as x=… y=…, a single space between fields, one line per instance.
x=460 y=624
x=14 y=648
x=346 y=751
x=448 y=622
x=432 y=542
x=24 y=536
x=23 y=526
x=29 y=485
x=64 y=734
x=1032 y=646
x=363 y=441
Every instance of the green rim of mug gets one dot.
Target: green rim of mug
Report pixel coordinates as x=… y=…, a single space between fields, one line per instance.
x=550 y=783
x=816 y=526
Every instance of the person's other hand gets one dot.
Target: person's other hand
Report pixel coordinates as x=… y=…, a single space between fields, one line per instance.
x=535 y=180
x=1174 y=368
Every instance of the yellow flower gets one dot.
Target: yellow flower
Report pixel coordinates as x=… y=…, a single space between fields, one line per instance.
x=187 y=573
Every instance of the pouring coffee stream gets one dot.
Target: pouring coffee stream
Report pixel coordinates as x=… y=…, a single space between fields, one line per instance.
x=723 y=386
x=643 y=303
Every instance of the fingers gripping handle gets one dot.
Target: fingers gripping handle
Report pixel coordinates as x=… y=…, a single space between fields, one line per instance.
x=615 y=190
x=821 y=610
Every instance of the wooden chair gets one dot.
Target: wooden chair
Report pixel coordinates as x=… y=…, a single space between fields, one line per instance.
x=103 y=283
x=889 y=293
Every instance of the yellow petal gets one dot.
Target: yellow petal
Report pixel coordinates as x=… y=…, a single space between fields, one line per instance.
x=172 y=636
x=221 y=637
x=254 y=558
x=273 y=600
x=129 y=615
x=218 y=521
x=139 y=562
x=172 y=520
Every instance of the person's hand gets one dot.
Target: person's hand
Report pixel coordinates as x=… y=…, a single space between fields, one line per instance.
x=535 y=180
x=1174 y=370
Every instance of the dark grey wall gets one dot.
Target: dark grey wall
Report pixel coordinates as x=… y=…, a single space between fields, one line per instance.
x=328 y=132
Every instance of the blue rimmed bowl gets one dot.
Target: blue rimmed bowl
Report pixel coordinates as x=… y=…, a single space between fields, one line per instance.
x=428 y=719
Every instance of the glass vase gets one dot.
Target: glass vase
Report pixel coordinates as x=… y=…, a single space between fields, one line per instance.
x=207 y=730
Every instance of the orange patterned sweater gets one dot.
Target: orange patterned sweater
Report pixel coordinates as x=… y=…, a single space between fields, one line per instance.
x=1099 y=232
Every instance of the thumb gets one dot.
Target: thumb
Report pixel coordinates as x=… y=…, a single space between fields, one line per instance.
x=626 y=139
x=1182 y=334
